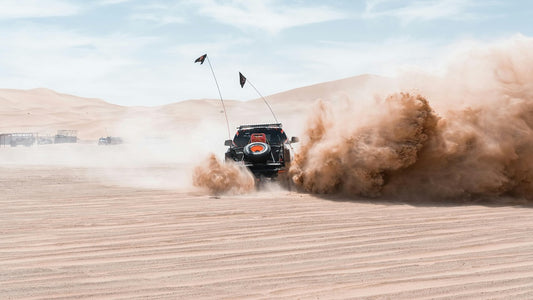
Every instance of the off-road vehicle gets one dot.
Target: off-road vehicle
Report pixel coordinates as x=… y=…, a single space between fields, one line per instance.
x=110 y=140
x=264 y=149
x=66 y=136
x=25 y=139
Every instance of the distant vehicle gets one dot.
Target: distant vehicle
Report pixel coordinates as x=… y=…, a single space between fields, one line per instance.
x=65 y=136
x=43 y=140
x=5 y=139
x=24 y=139
x=110 y=140
x=264 y=149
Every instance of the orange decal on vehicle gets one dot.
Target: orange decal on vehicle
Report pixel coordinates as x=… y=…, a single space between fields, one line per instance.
x=256 y=148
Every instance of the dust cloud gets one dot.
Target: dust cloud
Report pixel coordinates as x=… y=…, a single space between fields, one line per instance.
x=466 y=134
x=222 y=178
x=153 y=155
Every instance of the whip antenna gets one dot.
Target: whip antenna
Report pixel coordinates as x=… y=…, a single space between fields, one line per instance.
x=243 y=80
x=201 y=60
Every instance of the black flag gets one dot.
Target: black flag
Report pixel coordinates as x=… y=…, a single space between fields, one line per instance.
x=201 y=59
x=242 y=79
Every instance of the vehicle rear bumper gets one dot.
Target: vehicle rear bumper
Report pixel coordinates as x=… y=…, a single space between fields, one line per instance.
x=266 y=170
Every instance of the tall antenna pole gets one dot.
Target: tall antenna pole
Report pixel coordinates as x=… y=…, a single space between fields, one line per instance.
x=201 y=61
x=243 y=80
x=266 y=102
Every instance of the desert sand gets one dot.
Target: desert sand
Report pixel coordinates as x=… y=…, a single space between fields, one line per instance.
x=67 y=235
x=418 y=187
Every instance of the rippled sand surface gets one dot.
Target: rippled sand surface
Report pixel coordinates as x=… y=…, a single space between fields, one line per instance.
x=67 y=235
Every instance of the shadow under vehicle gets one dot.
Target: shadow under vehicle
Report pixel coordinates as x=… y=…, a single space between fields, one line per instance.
x=264 y=149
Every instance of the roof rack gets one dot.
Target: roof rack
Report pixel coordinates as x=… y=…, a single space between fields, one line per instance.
x=273 y=125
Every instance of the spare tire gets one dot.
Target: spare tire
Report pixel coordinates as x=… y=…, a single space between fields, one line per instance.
x=256 y=152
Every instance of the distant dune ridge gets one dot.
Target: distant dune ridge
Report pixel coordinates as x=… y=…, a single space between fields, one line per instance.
x=45 y=111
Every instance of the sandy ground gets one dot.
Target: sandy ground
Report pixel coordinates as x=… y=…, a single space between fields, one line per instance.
x=67 y=235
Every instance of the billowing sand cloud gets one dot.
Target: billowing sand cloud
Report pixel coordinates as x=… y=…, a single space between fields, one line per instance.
x=471 y=134
x=221 y=178
x=357 y=160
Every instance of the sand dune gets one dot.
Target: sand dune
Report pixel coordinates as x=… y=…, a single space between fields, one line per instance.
x=46 y=111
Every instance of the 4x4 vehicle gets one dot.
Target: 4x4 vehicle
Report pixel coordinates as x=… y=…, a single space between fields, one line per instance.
x=110 y=140
x=264 y=149
x=26 y=139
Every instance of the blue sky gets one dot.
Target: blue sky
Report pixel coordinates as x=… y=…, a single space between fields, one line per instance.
x=133 y=52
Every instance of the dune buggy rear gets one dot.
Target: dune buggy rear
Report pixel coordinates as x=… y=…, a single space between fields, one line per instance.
x=264 y=149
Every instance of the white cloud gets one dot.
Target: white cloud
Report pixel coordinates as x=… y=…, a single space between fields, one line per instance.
x=15 y=9
x=112 y=2
x=118 y=68
x=271 y=16
x=157 y=18
x=68 y=61
x=158 y=13
x=410 y=11
x=115 y=67
x=221 y=45
x=331 y=60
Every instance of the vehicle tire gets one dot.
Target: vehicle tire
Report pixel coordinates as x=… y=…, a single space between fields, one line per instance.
x=257 y=152
x=287 y=158
x=228 y=157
